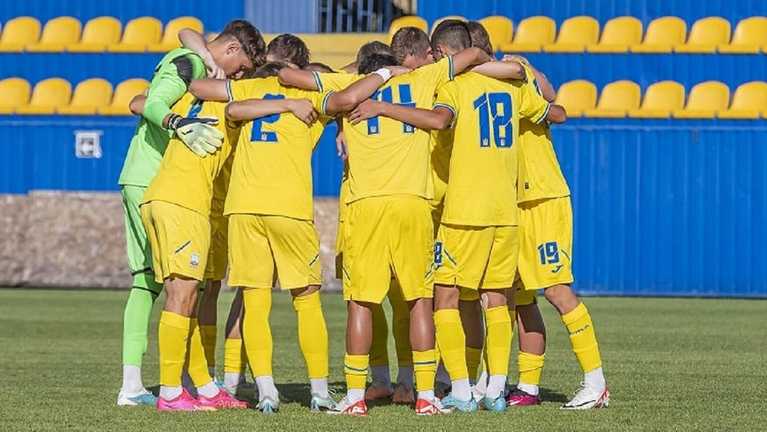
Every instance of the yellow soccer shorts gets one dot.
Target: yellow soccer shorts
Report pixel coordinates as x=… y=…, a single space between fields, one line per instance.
x=179 y=238
x=389 y=236
x=546 y=238
x=218 y=255
x=476 y=257
x=262 y=245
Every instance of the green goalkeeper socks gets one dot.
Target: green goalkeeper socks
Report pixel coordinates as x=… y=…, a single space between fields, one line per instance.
x=135 y=325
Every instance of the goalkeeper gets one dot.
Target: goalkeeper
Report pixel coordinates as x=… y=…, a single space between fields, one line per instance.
x=237 y=49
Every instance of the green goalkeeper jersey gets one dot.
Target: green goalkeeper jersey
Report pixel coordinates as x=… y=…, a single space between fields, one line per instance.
x=169 y=83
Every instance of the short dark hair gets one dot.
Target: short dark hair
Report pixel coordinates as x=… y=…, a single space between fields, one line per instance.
x=249 y=38
x=374 y=47
x=289 y=48
x=479 y=37
x=409 y=41
x=268 y=70
x=376 y=61
x=318 y=67
x=453 y=33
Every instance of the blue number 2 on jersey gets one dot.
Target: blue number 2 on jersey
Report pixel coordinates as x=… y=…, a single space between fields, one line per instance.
x=495 y=107
x=260 y=135
x=385 y=95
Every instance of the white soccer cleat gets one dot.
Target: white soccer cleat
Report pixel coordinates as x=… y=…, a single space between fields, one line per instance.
x=344 y=407
x=588 y=398
x=142 y=398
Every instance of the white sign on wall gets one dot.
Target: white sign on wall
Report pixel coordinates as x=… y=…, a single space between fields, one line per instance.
x=88 y=144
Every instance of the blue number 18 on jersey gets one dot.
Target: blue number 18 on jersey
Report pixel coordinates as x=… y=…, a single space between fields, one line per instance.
x=495 y=107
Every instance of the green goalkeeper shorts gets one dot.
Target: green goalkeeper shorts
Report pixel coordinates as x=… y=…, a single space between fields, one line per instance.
x=139 y=252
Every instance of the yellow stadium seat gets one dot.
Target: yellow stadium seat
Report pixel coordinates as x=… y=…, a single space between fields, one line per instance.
x=618 y=35
x=445 y=18
x=15 y=93
x=48 y=95
x=750 y=34
x=407 y=21
x=18 y=33
x=575 y=34
x=123 y=94
x=577 y=96
x=500 y=29
x=98 y=34
x=58 y=33
x=616 y=99
x=139 y=33
x=705 y=100
x=749 y=101
x=170 y=37
x=706 y=35
x=663 y=34
x=89 y=95
x=660 y=99
x=532 y=34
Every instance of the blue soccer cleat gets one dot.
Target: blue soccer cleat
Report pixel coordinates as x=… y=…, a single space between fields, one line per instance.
x=495 y=405
x=268 y=405
x=143 y=398
x=460 y=405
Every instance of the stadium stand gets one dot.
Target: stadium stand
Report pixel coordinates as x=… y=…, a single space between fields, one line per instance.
x=170 y=36
x=660 y=100
x=500 y=30
x=47 y=96
x=532 y=34
x=616 y=99
x=749 y=101
x=88 y=96
x=18 y=33
x=706 y=35
x=575 y=35
x=58 y=34
x=705 y=100
x=577 y=96
x=15 y=93
x=750 y=35
x=98 y=34
x=122 y=96
x=618 y=35
x=139 y=34
x=663 y=34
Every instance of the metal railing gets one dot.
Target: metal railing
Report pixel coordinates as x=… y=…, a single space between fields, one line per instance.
x=343 y=16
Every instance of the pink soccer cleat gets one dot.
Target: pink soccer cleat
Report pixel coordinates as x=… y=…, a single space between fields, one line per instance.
x=184 y=402
x=519 y=397
x=223 y=400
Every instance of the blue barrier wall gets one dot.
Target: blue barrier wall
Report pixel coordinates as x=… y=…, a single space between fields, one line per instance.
x=602 y=10
x=214 y=15
x=661 y=207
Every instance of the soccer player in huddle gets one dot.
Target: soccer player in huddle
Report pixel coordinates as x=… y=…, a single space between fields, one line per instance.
x=236 y=49
x=478 y=243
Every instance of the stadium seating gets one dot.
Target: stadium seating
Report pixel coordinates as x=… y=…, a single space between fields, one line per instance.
x=122 y=96
x=706 y=35
x=618 y=35
x=616 y=99
x=139 y=33
x=98 y=34
x=705 y=100
x=663 y=34
x=89 y=95
x=47 y=96
x=57 y=35
x=170 y=36
x=19 y=32
x=15 y=93
x=750 y=35
x=532 y=34
x=577 y=96
x=749 y=101
x=575 y=35
x=660 y=100
x=407 y=21
x=500 y=29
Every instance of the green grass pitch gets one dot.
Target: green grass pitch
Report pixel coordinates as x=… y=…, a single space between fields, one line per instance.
x=671 y=364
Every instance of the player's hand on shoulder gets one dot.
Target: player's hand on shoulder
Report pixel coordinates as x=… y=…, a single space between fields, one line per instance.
x=365 y=110
x=304 y=110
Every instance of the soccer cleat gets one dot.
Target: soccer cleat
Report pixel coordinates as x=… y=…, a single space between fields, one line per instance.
x=378 y=391
x=184 y=402
x=588 y=398
x=143 y=398
x=356 y=409
x=517 y=397
x=319 y=403
x=495 y=405
x=426 y=407
x=403 y=394
x=268 y=405
x=460 y=405
x=223 y=400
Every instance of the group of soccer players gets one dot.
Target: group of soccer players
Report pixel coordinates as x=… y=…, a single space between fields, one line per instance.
x=452 y=205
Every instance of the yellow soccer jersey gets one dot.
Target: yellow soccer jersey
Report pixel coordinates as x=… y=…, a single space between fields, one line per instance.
x=540 y=176
x=386 y=156
x=482 y=190
x=272 y=170
x=441 y=147
x=334 y=81
x=186 y=179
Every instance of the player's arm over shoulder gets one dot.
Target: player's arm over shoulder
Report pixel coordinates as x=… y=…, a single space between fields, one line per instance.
x=173 y=81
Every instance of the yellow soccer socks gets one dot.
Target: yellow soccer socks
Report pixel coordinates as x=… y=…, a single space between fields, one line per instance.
x=313 y=340
x=197 y=365
x=173 y=335
x=209 y=333
x=256 y=331
x=452 y=350
x=498 y=348
x=356 y=372
x=584 y=343
x=530 y=367
x=473 y=359
x=234 y=362
x=425 y=369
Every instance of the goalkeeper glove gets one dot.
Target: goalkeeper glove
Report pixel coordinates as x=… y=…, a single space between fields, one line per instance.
x=197 y=133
